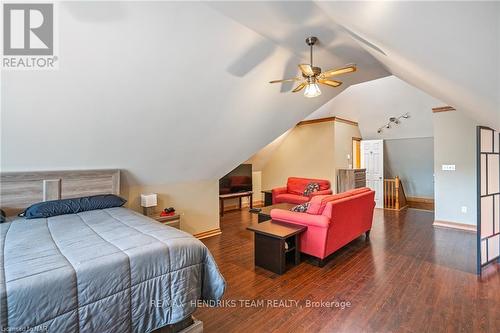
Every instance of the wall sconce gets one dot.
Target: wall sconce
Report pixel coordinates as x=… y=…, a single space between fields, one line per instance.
x=393 y=120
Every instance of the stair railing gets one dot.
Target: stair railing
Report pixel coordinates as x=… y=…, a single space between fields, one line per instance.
x=394 y=194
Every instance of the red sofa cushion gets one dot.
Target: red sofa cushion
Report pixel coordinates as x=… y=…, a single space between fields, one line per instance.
x=290 y=198
x=300 y=218
x=298 y=185
x=318 y=203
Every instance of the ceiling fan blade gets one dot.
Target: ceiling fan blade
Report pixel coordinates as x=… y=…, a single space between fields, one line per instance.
x=338 y=71
x=285 y=80
x=306 y=69
x=331 y=83
x=299 y=87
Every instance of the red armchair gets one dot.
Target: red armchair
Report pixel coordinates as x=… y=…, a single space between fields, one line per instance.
x=332 y=221
x=293 y=192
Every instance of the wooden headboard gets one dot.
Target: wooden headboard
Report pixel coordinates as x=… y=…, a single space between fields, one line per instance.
x=19 y=190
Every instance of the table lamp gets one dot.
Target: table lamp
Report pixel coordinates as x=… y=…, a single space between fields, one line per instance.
x=148 y=201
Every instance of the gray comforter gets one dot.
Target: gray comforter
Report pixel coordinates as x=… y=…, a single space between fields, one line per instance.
x=110 y=270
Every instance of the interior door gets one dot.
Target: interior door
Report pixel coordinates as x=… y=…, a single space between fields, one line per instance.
x=372 y=159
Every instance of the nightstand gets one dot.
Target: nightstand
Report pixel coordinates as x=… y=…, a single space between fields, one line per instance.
x=171 y=221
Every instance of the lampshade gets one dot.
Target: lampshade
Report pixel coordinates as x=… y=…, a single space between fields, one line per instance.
x=312 y=90
x=149 y=200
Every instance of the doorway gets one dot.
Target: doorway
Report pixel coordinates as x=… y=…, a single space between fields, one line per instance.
x=372 y=159
x=356 y=153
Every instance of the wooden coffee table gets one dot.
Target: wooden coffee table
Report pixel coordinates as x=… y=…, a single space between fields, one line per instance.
x=276 y=245
x=265 y=212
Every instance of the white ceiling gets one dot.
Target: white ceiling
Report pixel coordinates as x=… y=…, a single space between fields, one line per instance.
x=451 y=50
x=175 y=91
x=372 y=103
x=260 y=159
x=150 y=88
x=288 y=24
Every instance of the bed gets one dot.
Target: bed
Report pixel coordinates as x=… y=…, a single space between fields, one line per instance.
x=106 y=270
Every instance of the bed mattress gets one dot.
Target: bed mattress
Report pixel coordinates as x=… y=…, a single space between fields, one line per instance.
x=110 y=270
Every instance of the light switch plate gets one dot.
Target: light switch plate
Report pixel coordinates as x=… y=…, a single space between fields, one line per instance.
x=448 y=167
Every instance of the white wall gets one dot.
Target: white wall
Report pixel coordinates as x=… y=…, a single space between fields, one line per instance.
x=372 y=103
x=311 y=150
x=449 y=49
x=412 y=160
x=260 y=158
x=307 y=151
x=342 y=146
x=196 y=201
x=455 y=143
x=147 y=87
x=132 y=92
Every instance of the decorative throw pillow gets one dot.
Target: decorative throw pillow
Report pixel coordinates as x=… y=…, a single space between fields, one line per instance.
x=310 y=188
x=301 y=208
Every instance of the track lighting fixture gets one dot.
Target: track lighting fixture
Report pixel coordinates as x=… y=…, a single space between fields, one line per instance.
x=393 y=120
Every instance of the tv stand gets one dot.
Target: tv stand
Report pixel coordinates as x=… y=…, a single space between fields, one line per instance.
x=238 y=195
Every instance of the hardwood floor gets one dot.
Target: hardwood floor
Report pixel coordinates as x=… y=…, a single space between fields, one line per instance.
x=409 y=277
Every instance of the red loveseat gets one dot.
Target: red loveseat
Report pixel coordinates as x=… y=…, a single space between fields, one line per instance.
x=332 y=221
x=293 y=192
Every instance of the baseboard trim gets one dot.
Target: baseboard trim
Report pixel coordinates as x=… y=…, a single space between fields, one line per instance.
x=209 y=233
x=420 y=203
x=455 y=225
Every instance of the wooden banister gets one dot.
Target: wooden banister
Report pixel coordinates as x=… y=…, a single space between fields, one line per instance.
x=394 y=194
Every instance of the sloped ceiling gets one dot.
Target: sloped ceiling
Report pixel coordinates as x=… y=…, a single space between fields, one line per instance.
x=450 y=50
x=260 y=159
x=287 y=24
x=175 y=91
x=371 y=104
x=168 y=91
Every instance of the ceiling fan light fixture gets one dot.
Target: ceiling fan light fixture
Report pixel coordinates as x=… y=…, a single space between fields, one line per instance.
x=312 y=90
x=312 y=75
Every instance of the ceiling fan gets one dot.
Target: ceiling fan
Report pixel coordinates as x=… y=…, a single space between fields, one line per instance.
x=311 y=75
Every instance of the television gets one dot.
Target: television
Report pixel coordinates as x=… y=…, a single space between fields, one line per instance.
x=238 y=180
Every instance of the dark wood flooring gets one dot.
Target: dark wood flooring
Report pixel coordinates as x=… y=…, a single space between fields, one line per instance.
x=409 y=277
